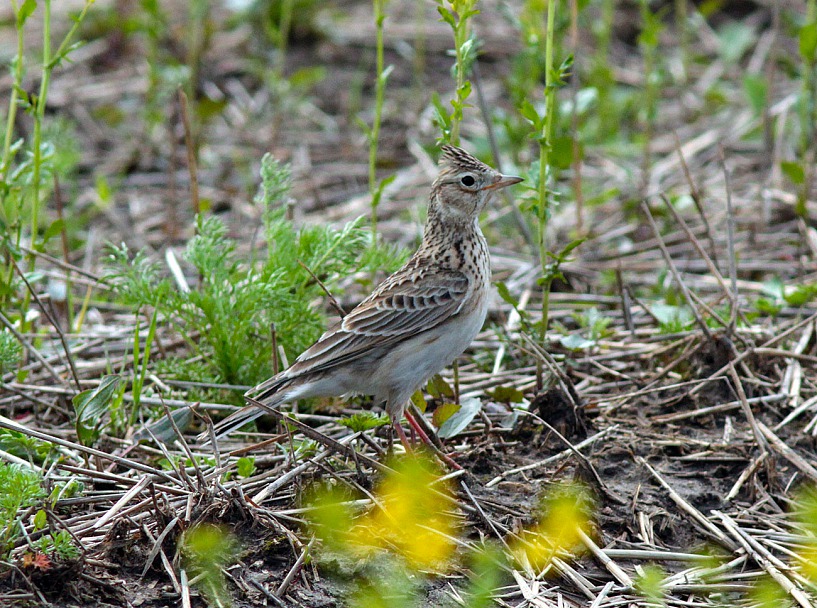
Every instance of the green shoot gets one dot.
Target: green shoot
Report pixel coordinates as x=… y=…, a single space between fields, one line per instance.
x=60 y=545
x=650 y=585
x=20 y=487
x=206 y=549
x=373 y=133
x=24 y=182
x=542 y=124
x=91 y=406
x=50 y=61
x=807 y=107
x=457 y=14
x=10 y=353
x=363 y=421
x=142 y=361
x=648 y=40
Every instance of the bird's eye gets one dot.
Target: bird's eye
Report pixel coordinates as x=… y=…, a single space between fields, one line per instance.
x=468 y=181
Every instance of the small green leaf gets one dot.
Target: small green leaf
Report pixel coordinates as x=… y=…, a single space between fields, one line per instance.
x=40 y=520
x=444 y=412
x=571 y=246
x=438 y=387
x=419 y=401
x=576 y=342
x=384 y=75
x=210 y=108
x=103 y=190
x=774 y=287
x=245 y=466
x=756 y=89
x=506 y=394
x=306 y=78
x=91 y=405
x=363 y=421
x=26 y=10
x=768 y=307
x=735 y=38
x=528 y=111
x=561 y=152
x=468 y=410
x=53 y=230
x=505 y=294
x=447 y=16
x=378 y=194
x=808 y=42
x=800 y=295
x=651 y=584
x=794 y=171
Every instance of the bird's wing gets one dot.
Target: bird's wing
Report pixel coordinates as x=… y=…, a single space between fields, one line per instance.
x=403 y=307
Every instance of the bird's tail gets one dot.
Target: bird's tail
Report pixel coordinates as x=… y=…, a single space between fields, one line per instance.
x=271 y=393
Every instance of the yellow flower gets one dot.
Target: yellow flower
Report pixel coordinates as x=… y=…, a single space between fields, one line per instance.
x=413 y=517
x=564 y=514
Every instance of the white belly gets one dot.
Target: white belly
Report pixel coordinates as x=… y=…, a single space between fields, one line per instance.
x=409 y=366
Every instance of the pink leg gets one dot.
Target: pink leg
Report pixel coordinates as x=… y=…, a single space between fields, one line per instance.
x=416 y=427
x=402 y=435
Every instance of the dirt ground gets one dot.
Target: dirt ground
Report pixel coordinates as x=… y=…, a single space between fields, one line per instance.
x=693 y=442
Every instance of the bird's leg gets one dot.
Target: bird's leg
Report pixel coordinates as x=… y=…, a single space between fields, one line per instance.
x=415 y=427
x=440 y=454
x=402 y=435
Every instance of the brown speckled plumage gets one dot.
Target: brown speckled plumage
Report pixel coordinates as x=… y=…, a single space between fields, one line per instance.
x=417 y=320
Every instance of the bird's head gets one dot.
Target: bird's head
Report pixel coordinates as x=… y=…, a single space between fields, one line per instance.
x=465 y=185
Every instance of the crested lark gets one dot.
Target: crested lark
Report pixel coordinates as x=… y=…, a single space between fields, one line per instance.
x=417 y=321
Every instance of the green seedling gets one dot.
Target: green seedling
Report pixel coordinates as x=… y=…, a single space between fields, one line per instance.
x=457 y=14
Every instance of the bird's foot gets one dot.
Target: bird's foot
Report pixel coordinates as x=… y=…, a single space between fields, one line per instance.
x=425 y=439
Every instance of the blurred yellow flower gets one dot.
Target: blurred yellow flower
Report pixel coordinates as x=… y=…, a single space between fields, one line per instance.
x=415 y=518
x=412 y=517
x=565 y=511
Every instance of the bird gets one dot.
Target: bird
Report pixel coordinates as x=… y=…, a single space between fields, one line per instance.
x=414 y=323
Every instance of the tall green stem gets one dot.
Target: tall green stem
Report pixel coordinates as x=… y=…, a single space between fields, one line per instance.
x=50 y=61
x=808 y=112
x=283 y=34
x=39 y=114
x=460 y=36
x=544 y=158
x=10 y=121
x=18 y=81
x=379 y=94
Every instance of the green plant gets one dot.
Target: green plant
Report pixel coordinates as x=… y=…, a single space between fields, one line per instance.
x=206 y=549
x=807 y=105
x=363 y=421
x=24 y=183
x=245 y=466
x=373 y=133
x=234 y=305
x=91 y=406
x=58 y=544
x=10 y=352
x=650 y=585
x=20 y=487
x=457 y=14
x=543 y=196
x=23 y=446
x=465 y=50
x=648 y=40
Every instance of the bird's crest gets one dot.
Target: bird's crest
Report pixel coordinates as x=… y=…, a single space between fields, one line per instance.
x=456 y=159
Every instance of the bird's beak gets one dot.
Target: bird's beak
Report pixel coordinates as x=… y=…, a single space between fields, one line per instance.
x=503 y=181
